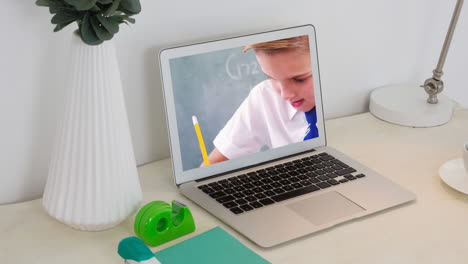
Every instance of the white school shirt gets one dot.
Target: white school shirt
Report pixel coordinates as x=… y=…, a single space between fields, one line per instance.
x=264 y=118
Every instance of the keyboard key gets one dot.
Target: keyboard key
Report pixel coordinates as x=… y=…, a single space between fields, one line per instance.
x=314 y=180
x=248 y=186
x=254 y=178
x=345 y=171
x=276 y=185
x=260 y=196
x=223 y=181
x=294 y=179
x=225 y=199
x=229 y=191
x=246 y=207
x=203 y=186
x=360 y=175
x=239 y=188
x=267 y=201
x=257 y=190
x=217 y=188
x=229 y=204
x=267 y=187
x=293 y=173
x=285 y=182
x=256 y=204
x=238 y=195
x=250 y=198
x=269 y=193
x=288 y=188
x=316 y=161
x=295 y=193
x=323 y=185
x=236 y=210
x=326 y=157
x=333 y=182
x=281 y=170
x=267 y=181
x=276 y=178
x=248 y=192
x=245 y=180
x=305 y=183
x=257 y=183
x=338 y=167
x=296 y=185
x=349 y=177
x=236 y=183
x=343 y=180
x=331 y=175
x=278 y=191
x=208 y=190
x=323 y=178
x=320 y=172
x=241 y=201
x=216 y=195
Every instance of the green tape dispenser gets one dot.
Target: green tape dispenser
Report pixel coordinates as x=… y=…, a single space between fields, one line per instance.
x=157 y=222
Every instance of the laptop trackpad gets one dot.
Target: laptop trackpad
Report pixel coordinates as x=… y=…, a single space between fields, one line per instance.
x=325 y=208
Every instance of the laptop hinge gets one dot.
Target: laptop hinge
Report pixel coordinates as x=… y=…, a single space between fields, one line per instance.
x=254 y=165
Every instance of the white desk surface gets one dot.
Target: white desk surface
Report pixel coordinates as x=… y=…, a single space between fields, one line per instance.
x=433 y=229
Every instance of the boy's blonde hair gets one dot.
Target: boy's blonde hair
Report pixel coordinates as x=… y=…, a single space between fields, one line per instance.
x=275 y=46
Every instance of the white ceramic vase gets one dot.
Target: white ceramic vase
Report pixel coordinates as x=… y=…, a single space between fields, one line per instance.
x=93 y=180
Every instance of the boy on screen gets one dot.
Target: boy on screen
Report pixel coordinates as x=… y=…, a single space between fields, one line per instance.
x=278 y=111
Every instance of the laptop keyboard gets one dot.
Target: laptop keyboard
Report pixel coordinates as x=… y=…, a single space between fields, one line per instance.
x=277 y=183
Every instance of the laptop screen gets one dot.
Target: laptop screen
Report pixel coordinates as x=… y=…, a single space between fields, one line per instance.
x=237 y=102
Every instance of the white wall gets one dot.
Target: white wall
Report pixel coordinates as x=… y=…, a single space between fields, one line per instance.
x=362 y=44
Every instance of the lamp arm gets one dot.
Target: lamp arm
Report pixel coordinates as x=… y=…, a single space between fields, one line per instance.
x=435 y=85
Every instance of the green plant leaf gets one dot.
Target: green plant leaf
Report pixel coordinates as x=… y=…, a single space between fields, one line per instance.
x=95 y=8
x=112 y=8
x=130 y=6
x=99 y=29
x=65 y=16
x=61 y=26
x=87 y=33
x=110 y=25
x=131 y=20
x=82 y=5
x=43 y=2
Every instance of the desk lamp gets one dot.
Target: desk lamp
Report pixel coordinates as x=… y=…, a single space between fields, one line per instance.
x=407 y=105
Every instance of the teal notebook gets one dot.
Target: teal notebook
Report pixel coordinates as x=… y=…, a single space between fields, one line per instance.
x=214 y=246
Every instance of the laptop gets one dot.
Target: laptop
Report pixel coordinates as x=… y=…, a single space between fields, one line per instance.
x=248 y=142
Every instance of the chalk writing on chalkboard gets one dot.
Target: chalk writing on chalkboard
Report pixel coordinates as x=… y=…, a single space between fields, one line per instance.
x=237 y=71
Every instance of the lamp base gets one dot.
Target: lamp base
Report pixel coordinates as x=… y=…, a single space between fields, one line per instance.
x=407 y=105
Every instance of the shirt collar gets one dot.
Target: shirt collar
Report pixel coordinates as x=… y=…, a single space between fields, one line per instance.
x=291 y=111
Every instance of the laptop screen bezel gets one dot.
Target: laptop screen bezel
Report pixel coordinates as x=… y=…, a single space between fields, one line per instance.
x=181 y=176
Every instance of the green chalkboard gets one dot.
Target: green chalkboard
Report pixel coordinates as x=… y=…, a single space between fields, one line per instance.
x=210 y=86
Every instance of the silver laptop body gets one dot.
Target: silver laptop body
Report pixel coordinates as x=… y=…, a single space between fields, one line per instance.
x=311 y=202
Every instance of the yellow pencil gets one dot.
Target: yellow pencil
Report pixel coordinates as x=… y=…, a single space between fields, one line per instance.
x=206 y=161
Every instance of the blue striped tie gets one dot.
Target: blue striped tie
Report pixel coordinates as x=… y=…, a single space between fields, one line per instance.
x=312 y=131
